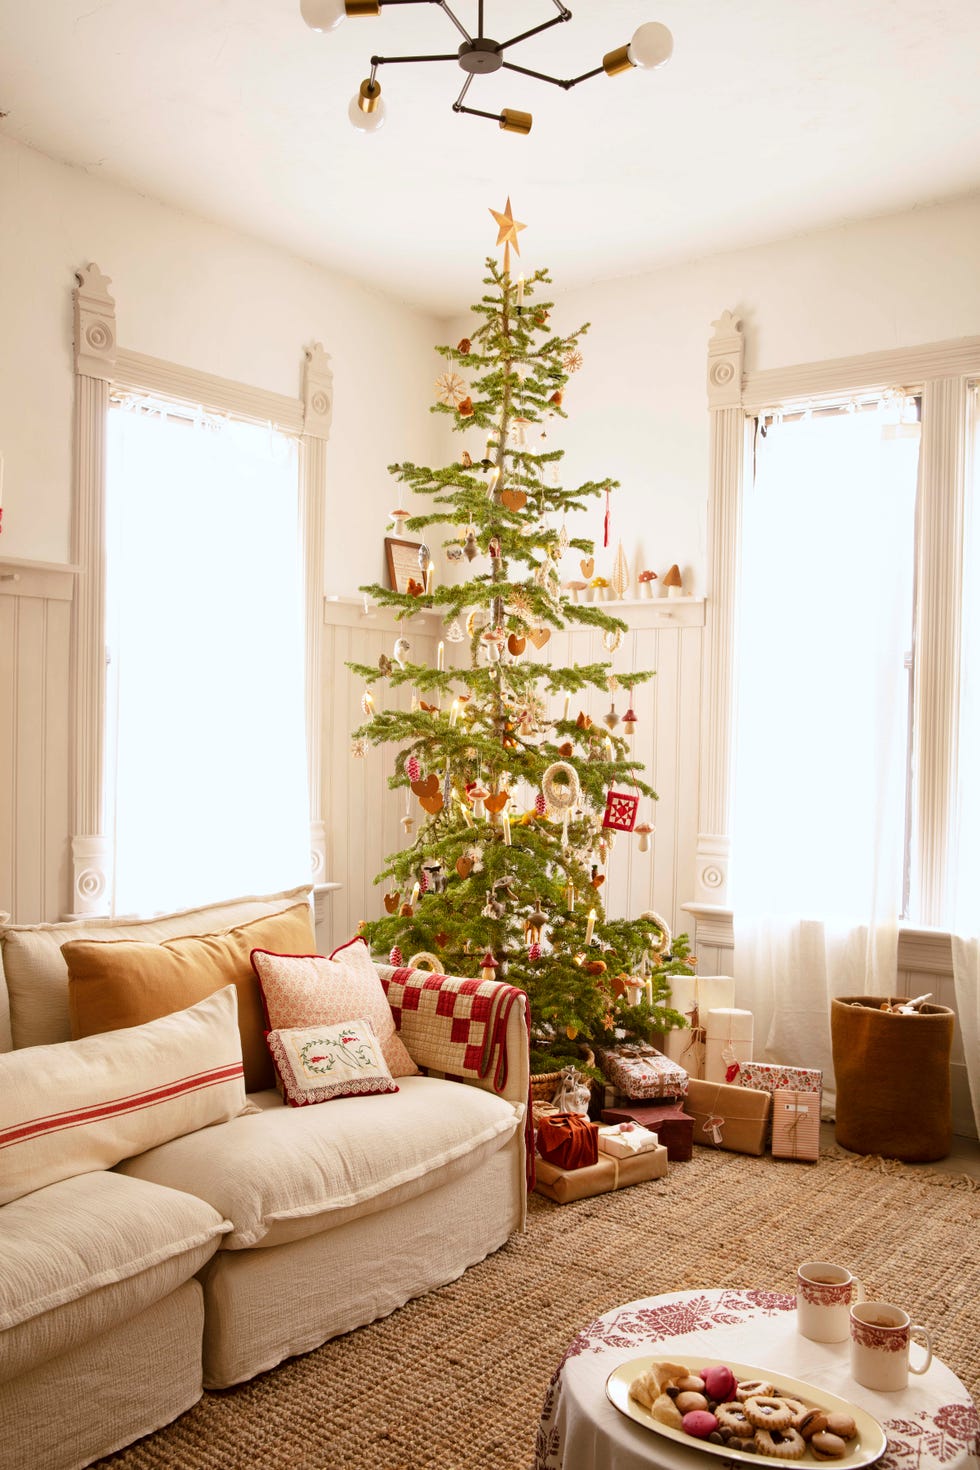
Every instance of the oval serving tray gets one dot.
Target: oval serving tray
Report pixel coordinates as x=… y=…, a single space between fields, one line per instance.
x=868 y=1447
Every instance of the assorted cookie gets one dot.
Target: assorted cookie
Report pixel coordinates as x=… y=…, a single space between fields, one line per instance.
x=752 y=1416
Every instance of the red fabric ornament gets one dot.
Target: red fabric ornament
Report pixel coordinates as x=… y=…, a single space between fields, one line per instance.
x=395 y=958
x=732 y=1072
x=620 y=813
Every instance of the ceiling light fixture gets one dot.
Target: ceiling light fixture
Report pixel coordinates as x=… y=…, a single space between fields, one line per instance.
x=651 y=46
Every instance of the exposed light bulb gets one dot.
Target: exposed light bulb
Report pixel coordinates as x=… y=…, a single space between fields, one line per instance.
x=652 y=45
x=322 y=15
x=367 y=108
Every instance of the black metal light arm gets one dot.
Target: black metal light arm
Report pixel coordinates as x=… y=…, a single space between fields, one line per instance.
x=536 y=30
x=557 y=81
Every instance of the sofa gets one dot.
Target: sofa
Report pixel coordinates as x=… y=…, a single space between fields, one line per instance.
x=209 y=1257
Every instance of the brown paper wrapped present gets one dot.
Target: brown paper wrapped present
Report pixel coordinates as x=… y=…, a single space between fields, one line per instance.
x=673 y=1127
x=733 y=1118
x=563 y=1185
x=795 y=1124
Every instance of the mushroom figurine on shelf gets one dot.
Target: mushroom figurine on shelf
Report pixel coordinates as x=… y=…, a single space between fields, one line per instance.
x=646 y=580
x=599 y=587
x=575 y=588
x=487 y=966
x=643 y=830
x=673 y=582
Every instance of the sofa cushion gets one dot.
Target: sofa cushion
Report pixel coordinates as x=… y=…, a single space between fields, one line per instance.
x=76 y=1106
x=320 y=1063
x=37 y=976
x=85 y=1254
x=124 y=982
x=283 y=1173
x=308 y=990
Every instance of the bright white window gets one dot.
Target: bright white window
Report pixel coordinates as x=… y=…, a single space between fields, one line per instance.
x=825 y=632
x=206 y=784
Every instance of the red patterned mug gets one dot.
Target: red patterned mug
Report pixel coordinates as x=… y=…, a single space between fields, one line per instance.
x=881 y=1335
x=824 y=1293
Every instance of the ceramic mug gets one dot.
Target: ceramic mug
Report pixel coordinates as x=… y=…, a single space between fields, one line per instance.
x=881 y=1335
x=824 y=1293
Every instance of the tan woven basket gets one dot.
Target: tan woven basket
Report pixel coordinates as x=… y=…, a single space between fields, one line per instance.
x=544 y=1085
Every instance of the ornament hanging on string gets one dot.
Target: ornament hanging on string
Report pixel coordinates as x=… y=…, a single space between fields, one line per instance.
x=572 y=360
x=412 y=768
x=629 y=721
x=607 y=517
x=563 y=538
x=620 y=813
x=611 y=718
x=395 y=957
x=399 y=517
x=643 y=831
x=358 y=747
x=454 y=631
x=470 y=547
x=450 y=388
x=367 y=704
x=466 y=460
x=401 y=651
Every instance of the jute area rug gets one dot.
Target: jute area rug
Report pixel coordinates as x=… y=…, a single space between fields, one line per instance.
x=456 y=1379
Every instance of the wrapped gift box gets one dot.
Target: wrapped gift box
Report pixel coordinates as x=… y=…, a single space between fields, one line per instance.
x=673 y=1127
x=625 y=1140
x=733 y=1118
x=728 y=1037
x=564 y=1185
x=768 y=1076
x=688 y=993
x=795 y=1124
x=642 y=1071
x=568 y=1140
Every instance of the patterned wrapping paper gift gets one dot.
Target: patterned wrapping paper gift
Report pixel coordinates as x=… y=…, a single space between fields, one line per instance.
x=733 y=1118
x=564 y=1185
x=642 y=1071
x=768 y=1076
x=795 y=1125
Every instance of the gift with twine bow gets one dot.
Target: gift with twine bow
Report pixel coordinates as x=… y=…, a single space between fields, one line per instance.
x=732 y=1118
x=795 y=1125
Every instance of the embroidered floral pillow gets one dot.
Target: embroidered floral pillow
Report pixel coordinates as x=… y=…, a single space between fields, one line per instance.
x=317 y=1063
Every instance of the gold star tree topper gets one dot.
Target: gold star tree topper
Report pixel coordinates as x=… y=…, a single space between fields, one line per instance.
x=507 y=232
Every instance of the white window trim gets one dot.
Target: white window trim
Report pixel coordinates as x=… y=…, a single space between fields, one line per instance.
x=101 y=365
x=941 y=371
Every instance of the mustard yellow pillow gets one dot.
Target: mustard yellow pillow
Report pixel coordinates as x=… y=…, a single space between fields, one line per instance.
x=125 y=982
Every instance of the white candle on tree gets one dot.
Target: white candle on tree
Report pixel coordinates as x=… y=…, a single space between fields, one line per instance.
x=590 y=926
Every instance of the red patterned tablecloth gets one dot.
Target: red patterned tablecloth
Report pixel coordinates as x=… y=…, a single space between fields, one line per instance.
x=931 y=1425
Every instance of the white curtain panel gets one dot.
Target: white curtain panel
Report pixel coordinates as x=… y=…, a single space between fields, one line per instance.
x=966 y=867
x=824 y=627
x=206 y=769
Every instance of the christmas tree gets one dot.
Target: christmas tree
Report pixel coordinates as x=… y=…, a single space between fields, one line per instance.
x=521 y=795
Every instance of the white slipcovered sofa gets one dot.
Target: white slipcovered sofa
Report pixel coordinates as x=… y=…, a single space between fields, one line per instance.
x=207 y=1259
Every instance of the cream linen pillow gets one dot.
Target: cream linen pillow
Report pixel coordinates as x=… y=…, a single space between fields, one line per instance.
x=76 y=1106
x=308 y=990
x=319 y=1063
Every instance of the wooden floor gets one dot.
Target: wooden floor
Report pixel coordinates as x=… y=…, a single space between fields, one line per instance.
x=963 y=1158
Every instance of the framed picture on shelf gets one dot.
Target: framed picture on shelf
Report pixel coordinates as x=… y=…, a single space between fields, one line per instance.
x=403 y=563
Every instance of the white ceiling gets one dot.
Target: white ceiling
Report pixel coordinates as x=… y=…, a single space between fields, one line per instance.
x=774 y=117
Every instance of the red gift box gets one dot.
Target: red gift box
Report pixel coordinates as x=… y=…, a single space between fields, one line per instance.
x=673 y=1127
x=568 y=1140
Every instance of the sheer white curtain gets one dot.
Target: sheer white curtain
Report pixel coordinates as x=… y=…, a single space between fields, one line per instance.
x=824 y=627
x=966 y=868
x=206 y=763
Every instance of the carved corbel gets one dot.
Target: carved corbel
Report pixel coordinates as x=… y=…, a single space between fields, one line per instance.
x=317 y=392
x=95 y=325
x=726 y=353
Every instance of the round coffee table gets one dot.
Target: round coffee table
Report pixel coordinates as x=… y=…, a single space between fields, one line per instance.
x=931 y=1425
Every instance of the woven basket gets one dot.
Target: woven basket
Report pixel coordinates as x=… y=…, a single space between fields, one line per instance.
x=544 y=1085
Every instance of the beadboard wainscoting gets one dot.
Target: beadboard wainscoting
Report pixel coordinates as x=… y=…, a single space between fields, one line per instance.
x=35 y=731
x=364 y=817
x=925 y=965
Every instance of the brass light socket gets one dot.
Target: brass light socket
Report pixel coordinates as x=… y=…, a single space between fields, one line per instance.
x=362 y=7
x=512 y=121
x=369 y=95
x=614 y=61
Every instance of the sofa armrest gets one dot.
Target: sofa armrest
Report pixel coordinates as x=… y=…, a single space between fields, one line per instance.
x=473 y=1031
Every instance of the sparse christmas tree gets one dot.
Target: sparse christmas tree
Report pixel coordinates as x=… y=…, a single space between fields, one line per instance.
x=521 y=794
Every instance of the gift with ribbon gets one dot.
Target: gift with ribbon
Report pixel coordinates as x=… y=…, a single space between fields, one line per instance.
x=608 y=1173
x=694 y=996
x=795 y=1124
x=732 y=1118
x=728 y=1043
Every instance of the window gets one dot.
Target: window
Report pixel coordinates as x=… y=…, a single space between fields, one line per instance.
x=205 y=767
x=825 y=633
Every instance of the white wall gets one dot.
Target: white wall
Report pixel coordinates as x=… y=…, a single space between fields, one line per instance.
x=637 y=409
x=206 y=297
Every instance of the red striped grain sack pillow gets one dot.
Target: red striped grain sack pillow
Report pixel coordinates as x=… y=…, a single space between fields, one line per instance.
x=77 y=1106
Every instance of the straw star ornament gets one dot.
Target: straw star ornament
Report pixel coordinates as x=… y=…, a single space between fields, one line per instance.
x=508 y=231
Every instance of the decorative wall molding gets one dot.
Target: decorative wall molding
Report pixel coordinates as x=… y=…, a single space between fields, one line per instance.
x=138 y=373
x=95 y=324
x=317 y=392
x=726 y=357
x=907 y=367
x=91 y=875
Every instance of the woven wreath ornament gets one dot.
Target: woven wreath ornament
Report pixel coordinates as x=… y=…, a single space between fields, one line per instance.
x=561 y=788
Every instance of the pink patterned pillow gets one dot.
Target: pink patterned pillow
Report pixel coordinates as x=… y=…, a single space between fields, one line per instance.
x=318 y=1063
x=308 y=990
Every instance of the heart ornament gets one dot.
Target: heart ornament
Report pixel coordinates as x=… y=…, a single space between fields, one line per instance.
x=432 y=804
x=391 y=902
x=428 y=787
x=515 y=644
x=513 y=499
x=588 y=566
x=464 y=866
x=539 y=636
x=498 y=802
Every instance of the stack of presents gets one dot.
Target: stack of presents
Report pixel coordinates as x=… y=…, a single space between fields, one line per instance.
x=702 y=1089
